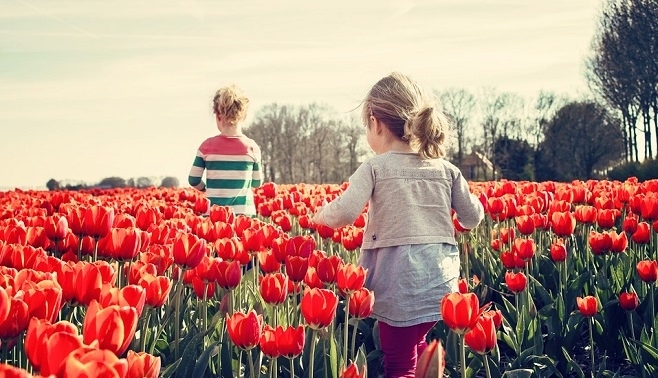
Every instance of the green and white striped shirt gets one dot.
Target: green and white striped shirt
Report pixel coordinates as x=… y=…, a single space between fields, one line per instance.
x=233 y=167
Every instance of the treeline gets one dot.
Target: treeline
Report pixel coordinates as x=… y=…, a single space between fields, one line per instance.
x=115 y=182
x=612 y=132
x=550 y=137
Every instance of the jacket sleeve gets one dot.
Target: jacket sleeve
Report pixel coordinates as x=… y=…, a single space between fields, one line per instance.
x=468 y=207
x=348 y=206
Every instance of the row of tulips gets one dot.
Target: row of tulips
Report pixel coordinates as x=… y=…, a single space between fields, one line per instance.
x=199 y=290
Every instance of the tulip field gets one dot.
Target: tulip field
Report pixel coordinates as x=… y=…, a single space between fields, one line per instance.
x=557 y=281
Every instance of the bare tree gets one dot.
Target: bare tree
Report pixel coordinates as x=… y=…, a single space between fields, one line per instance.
x=458 y=105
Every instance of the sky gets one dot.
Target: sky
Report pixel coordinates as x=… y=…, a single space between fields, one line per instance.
x=94 y=89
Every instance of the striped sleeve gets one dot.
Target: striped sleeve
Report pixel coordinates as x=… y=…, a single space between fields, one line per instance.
x=257 y=174
x=196 y=172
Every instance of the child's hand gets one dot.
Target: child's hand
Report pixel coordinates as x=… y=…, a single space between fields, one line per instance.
x=317 y=219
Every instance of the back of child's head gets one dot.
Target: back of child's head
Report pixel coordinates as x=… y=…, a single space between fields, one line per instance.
x=230 y=102
x=410 y=113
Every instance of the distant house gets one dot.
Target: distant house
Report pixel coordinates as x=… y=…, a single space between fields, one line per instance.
x=476 y=167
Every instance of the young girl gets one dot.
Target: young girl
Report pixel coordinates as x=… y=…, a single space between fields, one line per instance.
x=231 y=160
x=409 y=246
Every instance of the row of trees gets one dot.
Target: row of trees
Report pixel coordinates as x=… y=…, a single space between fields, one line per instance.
x=550 y=137
x=115 y=182
x=623 y=71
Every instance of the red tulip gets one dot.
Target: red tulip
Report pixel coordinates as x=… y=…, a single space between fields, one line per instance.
x=221 y=214
x=460 y=311
x=146 y=216
x=649 y=207
x=525 y=224
x=121 y=243
x=228 y=274
x=361 y=303
x=628 y=301
x=142 y=365
x=642 y=234
x=268 y=342
x=56 y=227
x=97 y=221
x=17 y=320
x=511 y=260
x=157 y=289
x=352 y=371
x=327 y=267
x=113 y=326
x=606 y=218
x=318 y=306
x=585 y=214
x=350 y=278
x=524 y=248
x=268 y=262
x=188 y=250
x=629 y=225
x=47 y=345
x=296 y=267
x=482 y=338
x=290 y=341
x=619 y=241
x=588 y=306
x=648 y=270
x=5 y=304
x=431 y=364
x=129 y=295
x=563 y=223
x=244 y=329
x=87 y=361
x=516 y=282
x=462 y=285
x=43 y=299
x=599 y=242
x=558 y=251
x=274 y=288
x=312 y=280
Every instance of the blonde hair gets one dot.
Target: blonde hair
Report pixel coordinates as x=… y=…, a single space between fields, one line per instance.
x=409 y=113
x=230 y=102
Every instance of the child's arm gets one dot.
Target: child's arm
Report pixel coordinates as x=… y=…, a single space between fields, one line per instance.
x=468 y=207
x=196 y=172
x=348 y=206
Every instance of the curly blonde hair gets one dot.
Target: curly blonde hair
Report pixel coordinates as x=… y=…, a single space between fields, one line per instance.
x=230 y=102
x=409 y=113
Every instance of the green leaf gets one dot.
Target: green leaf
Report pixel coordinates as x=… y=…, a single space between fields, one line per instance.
x=202 y=362
x=518 y=373
x=170 y=370
x=571 y=364
x=188 y=359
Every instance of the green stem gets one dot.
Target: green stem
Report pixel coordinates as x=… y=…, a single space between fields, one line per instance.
x=354 y=343
x=345 y=329
x=177 y=310
x=630 y=323
x=463 y=355
x=95 y=249
x=119 y=274
x=80 y=247
x=251 y=364
x=653 y=312
x=487 y=369
x=591 y=345
x=145 y=326
x=292 y=368
x=311 y=362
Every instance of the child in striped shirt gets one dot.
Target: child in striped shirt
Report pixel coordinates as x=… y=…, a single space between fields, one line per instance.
x=231 y=160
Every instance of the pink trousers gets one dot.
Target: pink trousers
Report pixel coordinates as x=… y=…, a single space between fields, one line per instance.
x=402 y=346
